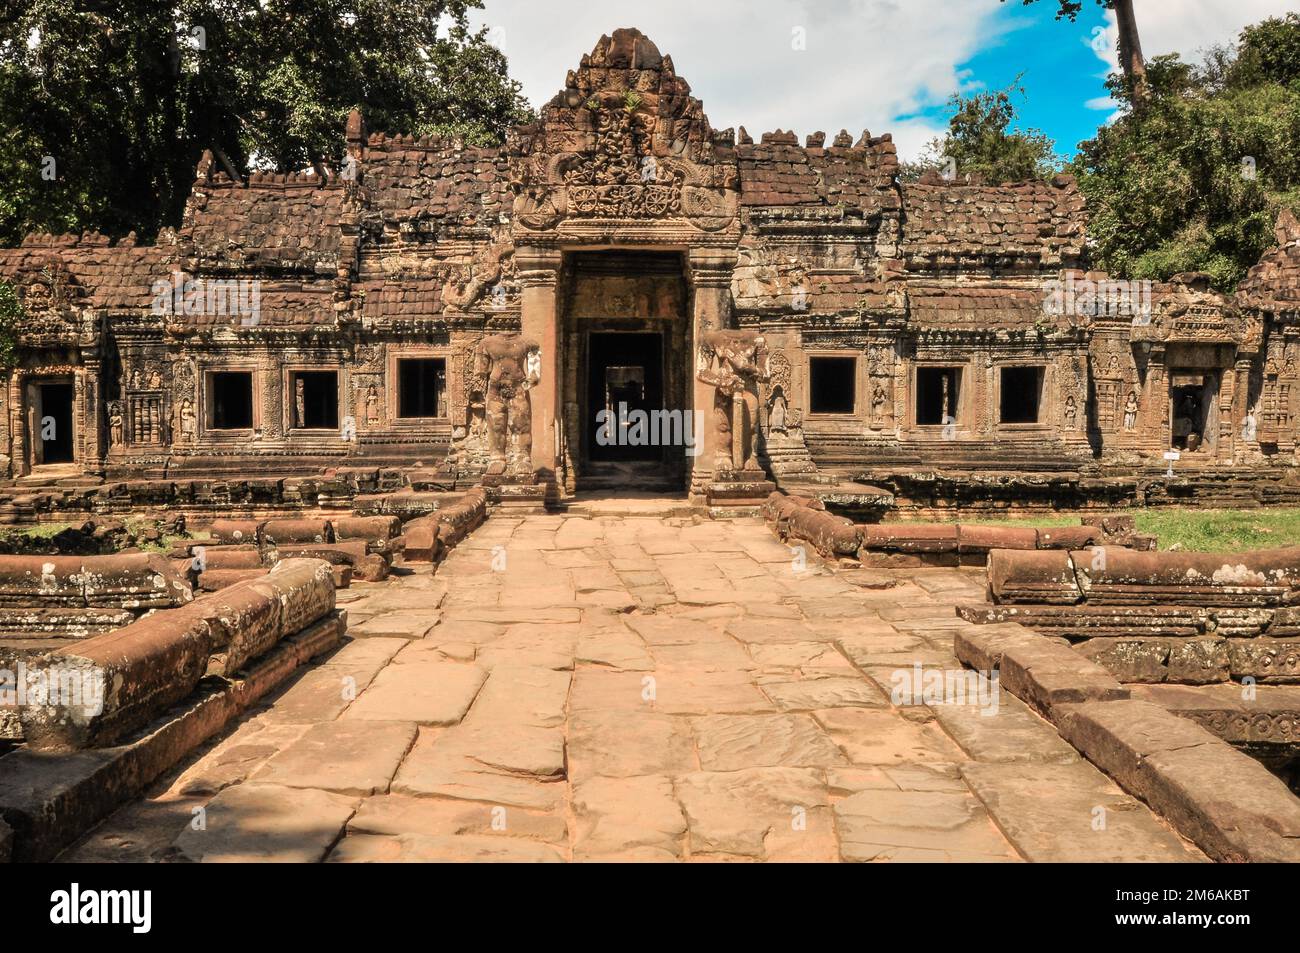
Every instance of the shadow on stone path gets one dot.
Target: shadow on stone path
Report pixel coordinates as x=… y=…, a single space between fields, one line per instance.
x=637 y=688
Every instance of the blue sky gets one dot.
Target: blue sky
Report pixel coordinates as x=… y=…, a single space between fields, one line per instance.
x=883 y=65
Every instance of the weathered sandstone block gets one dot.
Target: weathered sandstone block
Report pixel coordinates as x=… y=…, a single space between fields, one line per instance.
x=980 y=539
x=911 y=537
x=244 y=624
x=236 y=531
x=1224 y=801
x=112 y=684
x=134 y=581
x=1120 y=576
x=1042 y=576
x=214 y=580
x=1265 y=659
x=229 y=557
x=1190 y=661
x=27 y=581
x=1067 y=537
x=277 y=532
x=304 y=588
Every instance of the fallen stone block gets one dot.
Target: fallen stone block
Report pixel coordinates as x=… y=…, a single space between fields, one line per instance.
x=911 y=537
x=377 y=532
x=371 y=568
x=278 y=532
x=61 y=623
x=134 y=581
x=236 y=531
x=420 y=543
x=110 y=684
x=1043 y=576
x=1116 y=576
x=227 y=557
x=304 y=588
x=1265 y=659
x=1046 y=675
x=980 y=539
x=27 y=581
x=244 y=624
x=1067 y=537
x=1194 y=661
x=1225 y=802
x=215 y=580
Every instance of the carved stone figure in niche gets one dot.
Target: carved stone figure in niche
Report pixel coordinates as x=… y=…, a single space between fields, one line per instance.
x=776 y=414
x=734 y=363
x=372 y=405
x=115 y=427
x=1071 y=413
x=513 y=366
x=1131 y=411
x=189 y=427
x=879 y=398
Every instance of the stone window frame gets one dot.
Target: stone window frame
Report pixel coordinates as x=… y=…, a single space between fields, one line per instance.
x=965 y=377
x=859 y=388
x=392 y=383
x=1044 y=403
x=206 y=430
x=287 y=405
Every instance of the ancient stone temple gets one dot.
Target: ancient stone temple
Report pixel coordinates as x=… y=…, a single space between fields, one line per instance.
x=623 y=296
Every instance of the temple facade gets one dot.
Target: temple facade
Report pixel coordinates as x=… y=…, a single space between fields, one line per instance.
x=778 y=311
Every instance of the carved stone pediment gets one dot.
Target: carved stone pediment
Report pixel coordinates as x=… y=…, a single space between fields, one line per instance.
x=624 y=144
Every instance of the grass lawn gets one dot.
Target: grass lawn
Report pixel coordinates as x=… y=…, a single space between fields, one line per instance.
x=1197 y=530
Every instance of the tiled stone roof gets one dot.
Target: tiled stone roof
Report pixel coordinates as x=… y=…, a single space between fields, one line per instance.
x=432 y=185
x=777 y=171
x=1037 y=224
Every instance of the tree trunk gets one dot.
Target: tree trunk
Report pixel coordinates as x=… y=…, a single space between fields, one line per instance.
x=1130 y=50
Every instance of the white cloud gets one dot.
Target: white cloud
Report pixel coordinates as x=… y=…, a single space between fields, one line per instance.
x=866 y=63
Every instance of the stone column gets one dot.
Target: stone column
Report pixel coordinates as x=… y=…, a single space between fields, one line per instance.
x=539 y=270
x=710 y=274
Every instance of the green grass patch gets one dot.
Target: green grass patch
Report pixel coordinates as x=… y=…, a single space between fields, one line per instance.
x=1195 y=530
x=36 y=530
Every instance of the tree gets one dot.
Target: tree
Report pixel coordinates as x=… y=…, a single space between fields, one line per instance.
x=109 y=104
x=981 y=140
x=1129 y=42
x=11 y=318
x=1194 y=180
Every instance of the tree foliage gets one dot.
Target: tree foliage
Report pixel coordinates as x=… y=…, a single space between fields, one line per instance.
x=11 y=316
x=982 y=140
x=1194 y=180
x=124 y=95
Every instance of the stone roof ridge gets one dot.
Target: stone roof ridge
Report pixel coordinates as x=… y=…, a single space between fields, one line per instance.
x=1063 y=182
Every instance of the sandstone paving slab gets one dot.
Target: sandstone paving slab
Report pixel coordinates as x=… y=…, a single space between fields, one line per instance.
x=617 y=648
x=926 y=776
x=395 y=814
x=918 y=826
x=600 y=689
x=775 y=813
x=493 y=767
x=324 y=692
x=1072 y=812
x=514 y=615
x=340 y=756
x=880 y=736
x=831 y=691
x=624 y=744
x=404 y=624
x=236 y=757
x=707 y=656
x=267 y=823
x=522 y=695
x=1007 y=732
x=800 y=658
x=616 y=816
x=896 y=649
x=734 y=742
x=778 y=610
x=667 y=629
x=425 y=849
x=686 y=691
x=431 y=693
x=751 y=630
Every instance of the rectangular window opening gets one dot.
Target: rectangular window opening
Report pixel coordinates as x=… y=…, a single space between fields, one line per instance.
x=1022 y=395
x=421 y=388
x=315 y=399
x=938 y=395
x=232 y=400
x=832 y=385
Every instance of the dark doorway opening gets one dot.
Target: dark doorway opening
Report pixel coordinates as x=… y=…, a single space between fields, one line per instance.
x=421 y=387
x=316 y=400
x=1190 y=411
x=1022 y=395
x=625 y=380
x=832 y=385
x=232 y=400
x=938 y=393
x=56 y=423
